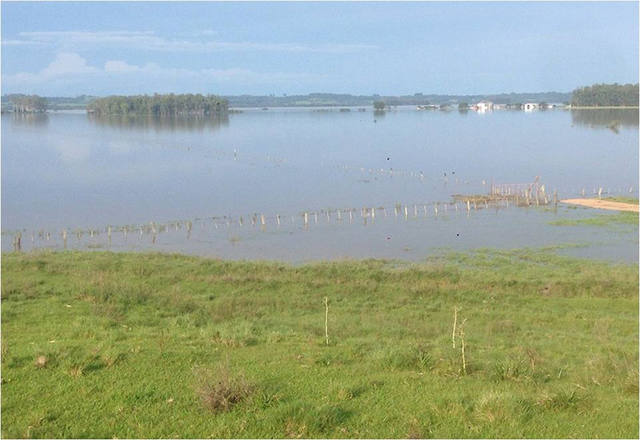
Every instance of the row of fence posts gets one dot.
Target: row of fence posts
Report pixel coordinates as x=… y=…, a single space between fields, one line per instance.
x=308 y=217
x=520 y=194
x=529 y=192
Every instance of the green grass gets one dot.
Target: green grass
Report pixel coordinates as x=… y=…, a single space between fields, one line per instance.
x=101 y=344
x=622 y=199
x=613 y=219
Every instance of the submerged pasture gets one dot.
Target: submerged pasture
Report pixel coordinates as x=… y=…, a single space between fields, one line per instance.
x=99 y=344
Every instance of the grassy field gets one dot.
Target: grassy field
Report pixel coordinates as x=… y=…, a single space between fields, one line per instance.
x=609 y=219
x=148 y=345
x=622 y=199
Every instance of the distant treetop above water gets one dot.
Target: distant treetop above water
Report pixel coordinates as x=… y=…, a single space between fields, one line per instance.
x=27 y=103
x=161 y=105
x=601 y=95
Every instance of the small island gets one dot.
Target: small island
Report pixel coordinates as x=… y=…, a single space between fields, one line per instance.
x=20 y=103
x=160 y=105
x=606 y=96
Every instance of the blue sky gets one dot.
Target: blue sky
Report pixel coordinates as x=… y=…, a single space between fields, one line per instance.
x=68 y=49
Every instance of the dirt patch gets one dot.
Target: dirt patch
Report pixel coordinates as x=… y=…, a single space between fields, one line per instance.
x=602 y=204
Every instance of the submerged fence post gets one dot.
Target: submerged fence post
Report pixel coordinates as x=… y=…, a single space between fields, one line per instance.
x=154 y=231
x=17 y=242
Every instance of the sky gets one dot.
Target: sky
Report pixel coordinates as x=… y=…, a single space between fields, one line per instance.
x=95 y=48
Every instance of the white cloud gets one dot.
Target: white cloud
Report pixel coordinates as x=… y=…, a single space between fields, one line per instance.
x=64 y=64
x=117 y=66
x=73 y=70
x=79 y=37
x=67 y=63
x=21 y=43
x=150 y=41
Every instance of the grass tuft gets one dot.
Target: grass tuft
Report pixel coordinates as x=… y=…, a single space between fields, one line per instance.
x=41 y=361
x=220 y=390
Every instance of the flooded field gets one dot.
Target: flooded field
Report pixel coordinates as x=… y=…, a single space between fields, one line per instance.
x=306 y=184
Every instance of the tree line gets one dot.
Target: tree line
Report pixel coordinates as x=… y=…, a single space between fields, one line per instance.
x=161 y=105
x=606 y=95
x=28 y=103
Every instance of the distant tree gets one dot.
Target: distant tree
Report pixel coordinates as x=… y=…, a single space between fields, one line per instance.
x=28 y=103
x=379 y=105
x=599 y=95
x=543 y=105
x=463 y=106
x=161 y=105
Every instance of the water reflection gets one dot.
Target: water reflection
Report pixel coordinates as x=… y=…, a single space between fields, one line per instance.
x=37 y=119
x=612 y=119
x=79 y=172
x=161 y=123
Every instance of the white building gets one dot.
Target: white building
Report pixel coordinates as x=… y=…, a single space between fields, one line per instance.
x=529 y=106
x=484 y=106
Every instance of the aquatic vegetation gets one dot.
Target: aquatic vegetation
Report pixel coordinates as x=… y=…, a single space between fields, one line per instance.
x=626 y=218
x=622 y=199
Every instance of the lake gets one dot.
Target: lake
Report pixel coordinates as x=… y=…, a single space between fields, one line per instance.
x=238 y=187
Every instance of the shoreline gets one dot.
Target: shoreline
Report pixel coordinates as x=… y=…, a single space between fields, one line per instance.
x=603 y=204
x=550 y=251
x=604 y=107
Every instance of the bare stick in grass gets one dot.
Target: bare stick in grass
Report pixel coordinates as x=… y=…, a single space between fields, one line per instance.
x=455 y=321
x=464 y=360
x=326 y=320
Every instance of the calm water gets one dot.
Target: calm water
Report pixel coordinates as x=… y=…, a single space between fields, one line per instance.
x=68 y=171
